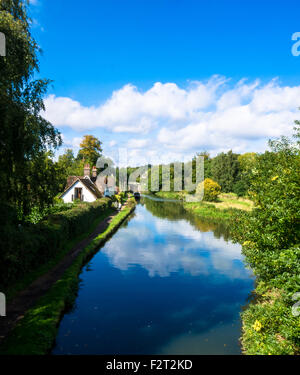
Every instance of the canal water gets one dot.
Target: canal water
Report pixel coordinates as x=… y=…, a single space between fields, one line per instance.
x=165 y=283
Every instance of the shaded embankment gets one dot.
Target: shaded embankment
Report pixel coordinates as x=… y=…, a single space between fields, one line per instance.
x=33 y=316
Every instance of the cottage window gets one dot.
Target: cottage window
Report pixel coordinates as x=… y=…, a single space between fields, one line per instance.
x=78 y=193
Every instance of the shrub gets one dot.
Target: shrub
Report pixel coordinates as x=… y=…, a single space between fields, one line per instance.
x=211 y=190
x=25 y=247
x=120 y=198
x=270 y=236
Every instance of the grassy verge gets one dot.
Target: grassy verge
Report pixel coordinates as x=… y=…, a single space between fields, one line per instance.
x=209 y=212
x=232 y=201
x=170 y=195
x=69 y=244
x=268 y=325
x=36 y=332
x=223 y=210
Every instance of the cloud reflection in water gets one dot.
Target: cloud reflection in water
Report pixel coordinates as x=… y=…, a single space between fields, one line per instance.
x=163 y=247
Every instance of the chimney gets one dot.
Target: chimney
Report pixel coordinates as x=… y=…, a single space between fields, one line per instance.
x=86 y=170
x=94 y=171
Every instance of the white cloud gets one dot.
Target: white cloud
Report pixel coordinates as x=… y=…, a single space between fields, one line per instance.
x=129 y=110
x=213 y=115
x=137 y=143
x=194 y=252
x=112 y=143
x=72 y=143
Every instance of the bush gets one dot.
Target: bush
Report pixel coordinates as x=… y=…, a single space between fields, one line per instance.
x=240 y=188
x=25 y=247
x=270 y=236
x=120 y=198
x=211 y=190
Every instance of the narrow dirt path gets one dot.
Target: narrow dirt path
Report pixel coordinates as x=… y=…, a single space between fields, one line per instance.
x=28 y=297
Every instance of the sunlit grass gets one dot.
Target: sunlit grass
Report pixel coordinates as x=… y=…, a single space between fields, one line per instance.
x=209 y=211
x=231 y=200
x=225 y=200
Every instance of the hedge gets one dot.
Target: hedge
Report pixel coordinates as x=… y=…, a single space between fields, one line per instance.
x=27 y=246
x=36 y=332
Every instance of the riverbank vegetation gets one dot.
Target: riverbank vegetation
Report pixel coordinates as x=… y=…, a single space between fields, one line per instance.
x=268 y=227
x=36 y=332
x=209 y=189
x=210 y=212
x=270 y=236
x=232 y=172
x=171 y=195
x=226 y=206
x=33 y=227
x=259 y=194
x=28 y=172
x=28 y=246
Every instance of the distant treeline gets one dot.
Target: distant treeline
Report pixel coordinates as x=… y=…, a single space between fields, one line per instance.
x=233 y=172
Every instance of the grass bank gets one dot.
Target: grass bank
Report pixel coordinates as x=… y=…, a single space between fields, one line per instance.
x=170 y=195
x=268 y=325
x=209 y=212
x=232 y=201
x=227 y=205
x=27 y=247
x=36 y=332
x=65 y=249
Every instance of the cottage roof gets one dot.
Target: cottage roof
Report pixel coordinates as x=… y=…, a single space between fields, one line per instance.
x=91 y=186
x=86 y=182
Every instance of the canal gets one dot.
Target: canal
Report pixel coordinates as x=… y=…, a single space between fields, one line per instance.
x=165 y=283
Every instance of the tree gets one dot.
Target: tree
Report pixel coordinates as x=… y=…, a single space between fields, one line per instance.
x=225 y=170
x=207 y=164
x=47 y=180
x=247 y=163
x=67 y=160
x=25 y=136
x=270 y=236
x=68 y=165
x=90 y=149
x=211 y=190
x=275 y=190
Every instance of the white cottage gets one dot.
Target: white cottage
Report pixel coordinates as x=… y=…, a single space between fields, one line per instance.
x=82 y=188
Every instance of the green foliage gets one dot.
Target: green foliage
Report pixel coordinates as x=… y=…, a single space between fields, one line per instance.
x=270 y=235
x=67 y=165
x=25 y=163
x=211 y=190
x=38 y=214
x=70 y=165
x=225 y=170
x=180 y=195
x=247 y=164
x=90 y=149
x=211 y=213
x=241 y=187
x=232 y=171
x=119 y=198
x=36 y=333
x=268 y=325
x=25 y=247
x=207 y=164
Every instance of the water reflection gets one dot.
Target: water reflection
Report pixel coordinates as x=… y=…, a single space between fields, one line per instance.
x=163 y=284
x=174 y=211
x=162 y=247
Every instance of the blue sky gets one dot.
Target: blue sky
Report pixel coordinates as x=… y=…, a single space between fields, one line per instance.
x=174 y=75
